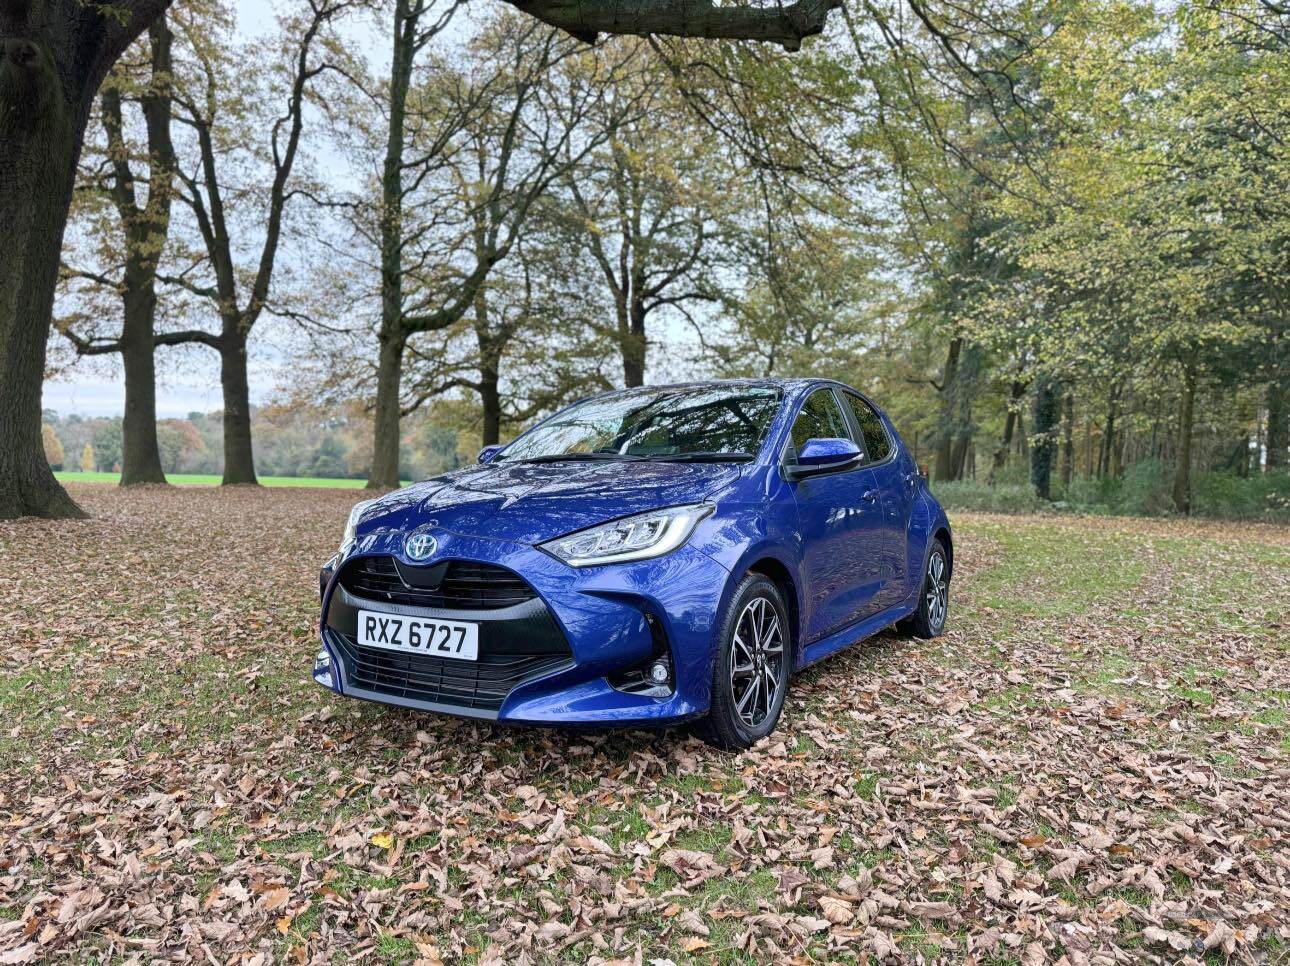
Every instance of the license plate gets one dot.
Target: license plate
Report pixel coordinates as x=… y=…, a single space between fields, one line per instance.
x=419 y=635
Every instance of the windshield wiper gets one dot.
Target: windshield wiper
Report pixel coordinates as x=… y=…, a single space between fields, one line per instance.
x=715 y=456
x=576 y=457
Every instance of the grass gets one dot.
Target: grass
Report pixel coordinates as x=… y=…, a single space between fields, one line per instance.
x=210 y=479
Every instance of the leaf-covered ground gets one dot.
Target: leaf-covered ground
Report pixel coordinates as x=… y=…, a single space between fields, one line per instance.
x=1094 y=763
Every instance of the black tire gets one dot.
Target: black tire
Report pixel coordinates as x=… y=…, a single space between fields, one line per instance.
x=727 y=724
x=929 y=620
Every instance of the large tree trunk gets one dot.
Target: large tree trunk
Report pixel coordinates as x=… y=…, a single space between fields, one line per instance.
x=146 y=230
x=389 y=378
x=40 y=138
x=944 y=469
x=1278 y=425
x=491 y=399
x=53 y=57
x=239 y=461
x=1047 y=409
x=385 y=445
x=140 y=454
x=1182 y=468
x=634 y=347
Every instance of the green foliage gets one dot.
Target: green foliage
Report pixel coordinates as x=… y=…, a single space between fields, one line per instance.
x=1143 y=490
x=107 y=444
x=1260 y=496
x=1006 y=498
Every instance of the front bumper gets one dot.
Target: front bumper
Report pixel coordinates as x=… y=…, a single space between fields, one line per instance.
x=546 y=661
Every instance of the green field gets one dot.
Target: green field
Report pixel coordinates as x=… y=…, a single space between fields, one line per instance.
x=203 y=479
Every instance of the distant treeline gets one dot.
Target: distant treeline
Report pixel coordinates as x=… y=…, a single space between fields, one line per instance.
x=287 y=443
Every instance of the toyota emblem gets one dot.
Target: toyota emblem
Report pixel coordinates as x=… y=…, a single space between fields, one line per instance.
x=420 y=546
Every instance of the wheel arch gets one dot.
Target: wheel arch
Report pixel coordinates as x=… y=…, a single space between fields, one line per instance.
x=775 y=570
x=942 y=533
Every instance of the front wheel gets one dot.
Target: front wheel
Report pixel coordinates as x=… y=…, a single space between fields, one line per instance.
x=750 y=677
x=928 y=620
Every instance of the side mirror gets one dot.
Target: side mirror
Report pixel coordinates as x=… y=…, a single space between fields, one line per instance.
x=488 y=452
x=823 y=456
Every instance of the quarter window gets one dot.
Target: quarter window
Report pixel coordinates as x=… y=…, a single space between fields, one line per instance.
x=820 y=418
x=876 y=443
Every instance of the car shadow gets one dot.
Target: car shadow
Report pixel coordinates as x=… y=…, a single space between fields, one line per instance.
x=462 y=743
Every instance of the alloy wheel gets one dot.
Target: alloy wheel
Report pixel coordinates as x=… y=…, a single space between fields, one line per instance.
x=756 y=662
x=937 y=591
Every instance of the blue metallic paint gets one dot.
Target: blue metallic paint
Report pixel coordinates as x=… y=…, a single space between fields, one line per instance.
x=827 y=452
x=764 y=520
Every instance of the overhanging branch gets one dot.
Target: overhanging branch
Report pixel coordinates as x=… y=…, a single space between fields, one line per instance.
x=787 y=24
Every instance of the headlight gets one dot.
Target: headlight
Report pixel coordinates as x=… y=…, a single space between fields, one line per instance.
x=351 y=525
x=631 y=538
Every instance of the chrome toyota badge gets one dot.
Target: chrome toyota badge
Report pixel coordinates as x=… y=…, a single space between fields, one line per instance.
x=420 y=546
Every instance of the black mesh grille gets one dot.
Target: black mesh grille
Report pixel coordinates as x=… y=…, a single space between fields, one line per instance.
x=458 y=584
x=481 y=685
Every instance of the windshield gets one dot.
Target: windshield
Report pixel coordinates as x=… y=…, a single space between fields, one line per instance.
x=688 y=422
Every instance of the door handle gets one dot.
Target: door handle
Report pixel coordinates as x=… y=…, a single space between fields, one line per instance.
x=869 y=496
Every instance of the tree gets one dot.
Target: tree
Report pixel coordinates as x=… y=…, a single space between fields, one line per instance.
x=218 y=111
x=55 y=55
x=107 y=442
x=645 y=205
x=1159 y=221
x=1044 y=443
x=520 y=318
x=504 y=97
x=329 y=459
x=87 y=459
x=179 y=443
x=53 y=446
x=410 y=37
x=139 y=238
x=811 y=306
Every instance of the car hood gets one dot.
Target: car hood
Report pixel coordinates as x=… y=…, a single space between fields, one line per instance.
x=533 y=502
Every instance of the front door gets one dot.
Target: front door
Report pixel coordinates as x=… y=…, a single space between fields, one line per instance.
x=840 y=518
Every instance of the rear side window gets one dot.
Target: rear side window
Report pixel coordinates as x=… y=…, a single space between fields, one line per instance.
x=820 y=418
x=876 y=443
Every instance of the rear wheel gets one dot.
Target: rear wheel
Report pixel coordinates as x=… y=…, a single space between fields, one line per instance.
x=928 y=620
x=750 y=677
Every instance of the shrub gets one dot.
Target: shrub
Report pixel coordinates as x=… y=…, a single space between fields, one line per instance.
x=1230 y=497
x=1003 y=498
x=1146 y=489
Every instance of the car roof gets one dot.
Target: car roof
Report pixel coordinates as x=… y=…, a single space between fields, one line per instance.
x=786 y=384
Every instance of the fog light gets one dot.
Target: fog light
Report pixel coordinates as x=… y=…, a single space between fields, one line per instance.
x=322 y=668
x=659 y=672
x=652 y=677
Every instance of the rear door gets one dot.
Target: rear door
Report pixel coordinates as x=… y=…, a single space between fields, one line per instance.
x=840 y=521
x=896 y=483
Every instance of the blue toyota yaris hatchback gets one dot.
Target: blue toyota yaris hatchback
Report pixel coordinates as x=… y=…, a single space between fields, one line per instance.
x=643 y=557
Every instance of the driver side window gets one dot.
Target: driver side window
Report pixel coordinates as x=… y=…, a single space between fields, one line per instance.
x=820 y=418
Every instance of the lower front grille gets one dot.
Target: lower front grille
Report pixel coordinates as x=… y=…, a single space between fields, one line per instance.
x=480 y=685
